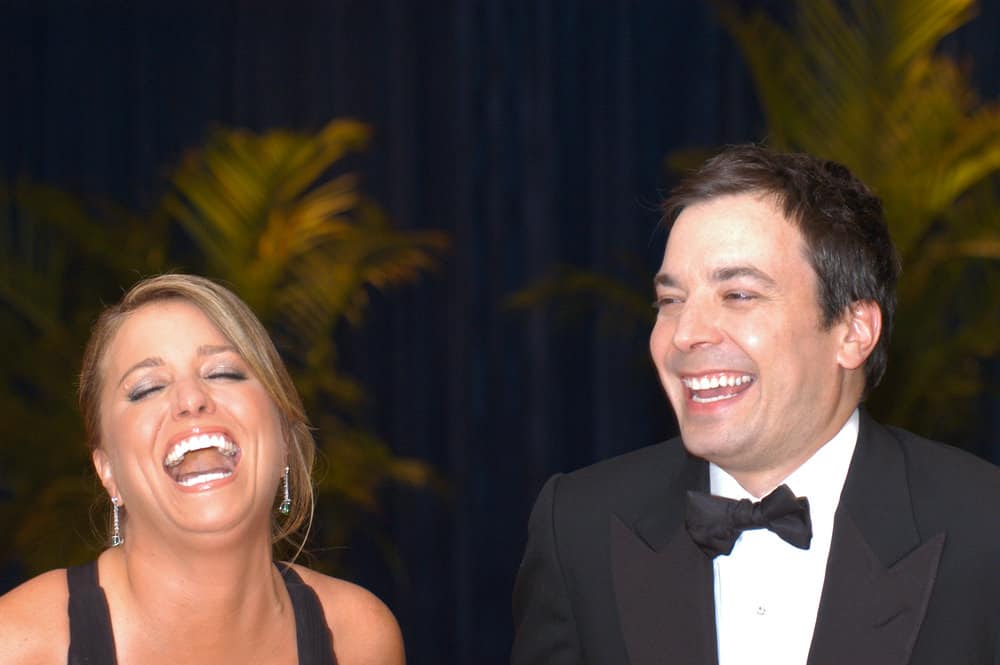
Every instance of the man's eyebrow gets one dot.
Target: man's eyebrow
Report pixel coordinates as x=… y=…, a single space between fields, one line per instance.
x=664 y=279
x=721 y=275
x=733 y=272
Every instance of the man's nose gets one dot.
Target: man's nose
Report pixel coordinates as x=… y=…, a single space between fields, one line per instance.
x=192 y=398
x=697 y=326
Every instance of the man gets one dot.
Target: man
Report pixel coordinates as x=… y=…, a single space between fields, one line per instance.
x=845 y=542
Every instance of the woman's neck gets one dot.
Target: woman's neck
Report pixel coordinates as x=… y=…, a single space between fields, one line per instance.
x=203 y=601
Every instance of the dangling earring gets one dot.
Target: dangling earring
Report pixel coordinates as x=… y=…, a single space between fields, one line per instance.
x=116 y=529
x=286 y=502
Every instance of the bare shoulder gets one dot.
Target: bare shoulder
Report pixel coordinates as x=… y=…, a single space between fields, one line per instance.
x=34 y=624
x=364 y=630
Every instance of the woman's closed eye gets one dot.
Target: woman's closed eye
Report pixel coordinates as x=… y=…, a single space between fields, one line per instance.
x=227 y=373
x=143 y=390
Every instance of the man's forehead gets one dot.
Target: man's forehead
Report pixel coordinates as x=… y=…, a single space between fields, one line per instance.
x=734 y=237
x=736 y=225
x=761 y=208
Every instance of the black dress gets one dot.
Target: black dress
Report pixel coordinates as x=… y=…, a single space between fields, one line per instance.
x=92 y=642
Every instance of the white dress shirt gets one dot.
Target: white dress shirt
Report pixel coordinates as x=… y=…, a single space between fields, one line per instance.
x=766 y=591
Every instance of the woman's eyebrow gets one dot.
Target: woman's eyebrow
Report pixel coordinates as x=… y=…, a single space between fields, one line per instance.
x=214 y=349
x=153 y=361
x=156 y=361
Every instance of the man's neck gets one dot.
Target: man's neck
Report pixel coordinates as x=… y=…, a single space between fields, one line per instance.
x=761 y=482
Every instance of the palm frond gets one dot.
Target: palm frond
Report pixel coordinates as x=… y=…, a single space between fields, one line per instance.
x=863 y=86
x=571 y=291
x=280 y=219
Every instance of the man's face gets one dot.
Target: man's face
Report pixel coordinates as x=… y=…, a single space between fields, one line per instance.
x=754 y=379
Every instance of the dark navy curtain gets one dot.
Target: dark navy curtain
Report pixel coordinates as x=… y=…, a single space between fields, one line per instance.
x=533 y=132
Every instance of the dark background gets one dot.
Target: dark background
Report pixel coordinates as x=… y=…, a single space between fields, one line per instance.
x=532 y=132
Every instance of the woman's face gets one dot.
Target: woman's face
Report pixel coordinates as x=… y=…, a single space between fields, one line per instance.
x=191 y=442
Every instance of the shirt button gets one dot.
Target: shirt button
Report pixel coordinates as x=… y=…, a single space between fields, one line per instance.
x=761 y=610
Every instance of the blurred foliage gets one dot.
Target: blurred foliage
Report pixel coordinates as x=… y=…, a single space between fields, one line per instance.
x=616 y=303
x=859 y=82
x=278 y=218
x=864 y=87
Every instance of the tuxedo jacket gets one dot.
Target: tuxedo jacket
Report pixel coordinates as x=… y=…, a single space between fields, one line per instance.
x=610 y=575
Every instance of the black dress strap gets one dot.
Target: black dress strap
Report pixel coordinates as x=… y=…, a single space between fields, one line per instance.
x=91 y=641
x=312 y=635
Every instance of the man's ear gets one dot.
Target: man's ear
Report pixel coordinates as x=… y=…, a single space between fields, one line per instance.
x=864 y=327
x=102 y=464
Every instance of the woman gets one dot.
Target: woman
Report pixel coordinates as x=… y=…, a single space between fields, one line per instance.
x=201 y=442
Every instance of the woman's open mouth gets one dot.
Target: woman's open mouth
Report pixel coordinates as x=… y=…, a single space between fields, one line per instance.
x=201 y=458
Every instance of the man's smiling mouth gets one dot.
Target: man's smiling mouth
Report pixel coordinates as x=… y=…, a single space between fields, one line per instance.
x=201 y=458
x=716 y=387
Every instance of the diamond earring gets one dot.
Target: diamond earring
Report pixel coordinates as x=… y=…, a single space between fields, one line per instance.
x=116 y=529
x=286 y=502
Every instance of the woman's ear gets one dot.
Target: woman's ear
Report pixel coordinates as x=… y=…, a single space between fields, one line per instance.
x=102 y=465
x=864 y=327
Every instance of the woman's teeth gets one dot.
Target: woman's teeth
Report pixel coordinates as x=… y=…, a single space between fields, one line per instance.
x=200 y=478
x=220 y=442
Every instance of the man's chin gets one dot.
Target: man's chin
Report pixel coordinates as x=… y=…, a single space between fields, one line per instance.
x=698 y=447
x=716 y=444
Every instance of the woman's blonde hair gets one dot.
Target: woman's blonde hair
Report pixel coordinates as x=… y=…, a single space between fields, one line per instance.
x=244 y=331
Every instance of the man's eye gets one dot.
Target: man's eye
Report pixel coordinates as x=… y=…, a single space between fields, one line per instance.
x=664 y=301
x=740 y=295
x=140 y=392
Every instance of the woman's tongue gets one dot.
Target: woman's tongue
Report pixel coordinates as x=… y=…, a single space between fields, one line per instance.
x=200 y=462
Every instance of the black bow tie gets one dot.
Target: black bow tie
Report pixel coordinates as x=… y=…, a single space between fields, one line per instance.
x=715 y=522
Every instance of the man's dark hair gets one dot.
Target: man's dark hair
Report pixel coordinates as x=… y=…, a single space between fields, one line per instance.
x=847 y=240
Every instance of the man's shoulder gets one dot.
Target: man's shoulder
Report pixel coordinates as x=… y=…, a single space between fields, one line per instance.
x=654 y=462
x=949 y=488
x=944 y=465
x=628 y=480
x=579 y=504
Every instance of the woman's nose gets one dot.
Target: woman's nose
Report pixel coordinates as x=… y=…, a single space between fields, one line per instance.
x=192 y=399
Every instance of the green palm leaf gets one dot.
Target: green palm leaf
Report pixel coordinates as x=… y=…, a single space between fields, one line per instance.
x=859 y=82
x=864 y=87
x=278 y=217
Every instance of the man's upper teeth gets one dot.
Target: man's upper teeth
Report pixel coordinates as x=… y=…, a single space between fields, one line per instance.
x=716 y=381
x=199 y=442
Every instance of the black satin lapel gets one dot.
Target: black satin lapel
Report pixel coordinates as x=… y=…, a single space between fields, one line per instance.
x=877 y=493
x=663 y=582
x=870 y=614
x=880 y=572
x=658 y=523
x=665 y=599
